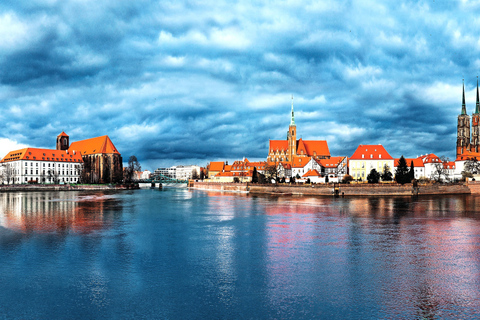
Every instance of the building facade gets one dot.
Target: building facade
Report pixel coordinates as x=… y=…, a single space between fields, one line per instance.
x=33 y=165
x=468 y=140
x=368 y=157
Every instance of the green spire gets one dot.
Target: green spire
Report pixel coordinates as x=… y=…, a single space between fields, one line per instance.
x=464 y=109
x=477 y=109
x=292 y=122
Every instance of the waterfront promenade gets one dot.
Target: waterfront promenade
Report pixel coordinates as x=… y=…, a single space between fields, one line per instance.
x=342 y=189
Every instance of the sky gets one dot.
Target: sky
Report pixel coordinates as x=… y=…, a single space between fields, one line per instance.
x=189 y=82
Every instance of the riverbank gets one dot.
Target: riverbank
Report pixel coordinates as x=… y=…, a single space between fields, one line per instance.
x=342 y=189
x=66 y=187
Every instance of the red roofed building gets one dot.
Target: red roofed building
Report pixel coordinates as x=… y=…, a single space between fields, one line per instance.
x=41 y=166
x=418 y=166
x=214 y=168
x=102 y=161
x=368 y=157
x=286 y=150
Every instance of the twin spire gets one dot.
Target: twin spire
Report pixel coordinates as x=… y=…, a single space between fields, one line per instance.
x=464 y=108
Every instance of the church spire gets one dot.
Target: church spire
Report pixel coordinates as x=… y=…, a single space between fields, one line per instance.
x=292 y=122
x=464 y=109
x=477 y=109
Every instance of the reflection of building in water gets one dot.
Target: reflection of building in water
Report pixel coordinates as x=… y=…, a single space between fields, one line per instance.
x=52 y=211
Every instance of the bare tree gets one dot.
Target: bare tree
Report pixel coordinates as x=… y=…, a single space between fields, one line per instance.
x=271 y=171
x=53 y=175
x=472 y=166
x=133 y=165
x=440 y=172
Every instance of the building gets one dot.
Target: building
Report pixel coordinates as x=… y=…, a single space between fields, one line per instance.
x=179 y=172
x=335 y=167
x=291 y=148
x=33 y=165
x=418 y=167
x=166 y=172
x=368 y=157
x=102 y=163
x=467 y=142
x=214 y=168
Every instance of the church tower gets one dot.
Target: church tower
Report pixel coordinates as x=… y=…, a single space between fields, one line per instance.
x=463 y=128
x=63 y=142
x=292 y=137
x=476 y=126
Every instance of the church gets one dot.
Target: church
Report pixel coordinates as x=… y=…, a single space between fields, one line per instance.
x=292 y=150
x=102 y=163
x=467 y=144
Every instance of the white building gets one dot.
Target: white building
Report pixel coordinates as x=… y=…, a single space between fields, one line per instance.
x=179 y=172
x=32 y=165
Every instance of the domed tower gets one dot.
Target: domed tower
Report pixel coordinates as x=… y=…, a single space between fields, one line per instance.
x=463 y=128
x=63 y=142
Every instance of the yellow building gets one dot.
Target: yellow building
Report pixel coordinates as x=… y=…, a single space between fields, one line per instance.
x=368 y=157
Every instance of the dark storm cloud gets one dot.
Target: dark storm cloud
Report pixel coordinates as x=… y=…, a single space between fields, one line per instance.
x=175 y=82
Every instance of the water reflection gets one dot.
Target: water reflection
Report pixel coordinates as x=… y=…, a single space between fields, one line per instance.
x=59 y=212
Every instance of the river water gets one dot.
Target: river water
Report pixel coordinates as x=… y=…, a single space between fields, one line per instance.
x=180 y=254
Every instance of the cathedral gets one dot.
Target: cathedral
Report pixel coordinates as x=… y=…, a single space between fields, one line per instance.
x=467 y=143
x=292 y=150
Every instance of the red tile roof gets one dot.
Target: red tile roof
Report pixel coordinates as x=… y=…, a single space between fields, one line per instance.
x=312 y=173
x=63 y=134
x=278 y=145
x=320 y=147
x=330 y=163
x=216 y=166
x=371 y=152
x=430 y=158
x=36 y=154
x=417 y=162
x=96 y=145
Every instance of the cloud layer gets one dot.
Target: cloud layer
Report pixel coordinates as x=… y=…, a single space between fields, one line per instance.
x=185 y=82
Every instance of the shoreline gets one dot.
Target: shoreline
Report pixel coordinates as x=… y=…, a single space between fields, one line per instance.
x=345 y=190
x=66 y=187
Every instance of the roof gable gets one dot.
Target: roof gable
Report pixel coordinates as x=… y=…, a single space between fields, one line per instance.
x=371 y=152
x=216 y=166
x=278 y=145
x=316 y=147
x=96 y=145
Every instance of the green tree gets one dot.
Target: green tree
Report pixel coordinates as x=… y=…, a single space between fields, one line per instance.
x=386 y=174
x=254 y=175
x=411 y=173
x=133 y=165
x=373 y=176
x=401 y=174
x=347 y=178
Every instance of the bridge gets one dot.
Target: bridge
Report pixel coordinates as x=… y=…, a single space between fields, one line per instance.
x=160 y=180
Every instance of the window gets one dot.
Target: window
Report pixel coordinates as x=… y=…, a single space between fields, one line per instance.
x=379 y=156
x=363 y=156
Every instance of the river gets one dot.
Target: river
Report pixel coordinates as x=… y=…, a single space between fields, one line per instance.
x=182 y=254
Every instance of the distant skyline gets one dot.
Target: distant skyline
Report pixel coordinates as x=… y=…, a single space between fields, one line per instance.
x=187 y=83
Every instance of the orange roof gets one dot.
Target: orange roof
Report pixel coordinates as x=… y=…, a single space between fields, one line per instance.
x=417 y=162
x=227 y=168
x=63 y=134
x=319 y=147
x=216 y=166
x=301 y=147
x=449 y=165
x=312 y=173
x=300 y=162
x=278 y=144
x=371 y=152
x=330 y=163
x=430 y=158
x=43 y=155
x=96 y=145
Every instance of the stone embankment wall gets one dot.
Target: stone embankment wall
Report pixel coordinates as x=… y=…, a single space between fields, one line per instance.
x=474 y=186
x=345 y=189
x=65 y=187
x=219 y=186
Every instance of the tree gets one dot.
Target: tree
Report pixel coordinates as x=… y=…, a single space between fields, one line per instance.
x=401 y=174
x=472 y=166
x=202 y=174
x=308 y=181
x=440 y=172
x=292 y=180
x=254 y=175
x=8 y=173
x=347 y=178
x=133 y=165
x=194 y=174
x=373 y=176
x=271 y=171
x=411 y=173
x=386 y=174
